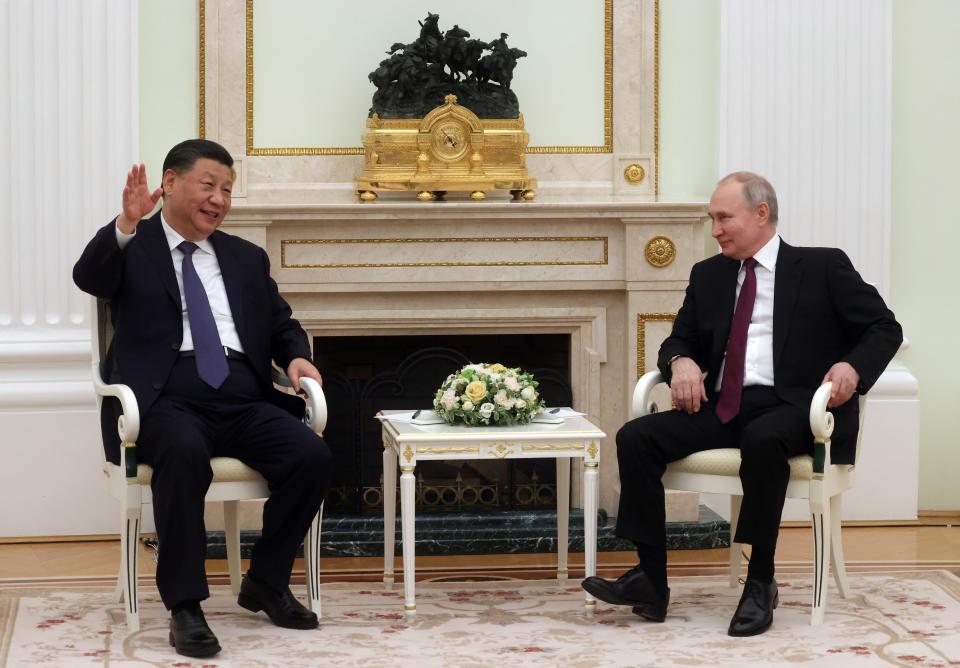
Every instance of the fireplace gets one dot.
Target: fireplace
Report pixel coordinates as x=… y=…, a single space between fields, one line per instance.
x=366 y=374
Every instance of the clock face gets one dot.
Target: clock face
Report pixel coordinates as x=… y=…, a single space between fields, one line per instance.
x=450 y=140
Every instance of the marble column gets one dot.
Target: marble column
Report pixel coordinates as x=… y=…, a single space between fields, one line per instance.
x=68 y=134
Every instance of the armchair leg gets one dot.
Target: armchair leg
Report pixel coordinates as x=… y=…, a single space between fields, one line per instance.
x=836 y=553
x=311 y=562
x=821 y=550
x=129 y=549
x=231 y=530
x=736 y=549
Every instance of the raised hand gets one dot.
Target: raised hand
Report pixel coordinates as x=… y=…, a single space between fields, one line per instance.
x=138 y=201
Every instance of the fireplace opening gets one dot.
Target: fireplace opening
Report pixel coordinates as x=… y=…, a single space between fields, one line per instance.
x=366 y=374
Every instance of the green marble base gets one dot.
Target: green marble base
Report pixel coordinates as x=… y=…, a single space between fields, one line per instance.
x=499 y=532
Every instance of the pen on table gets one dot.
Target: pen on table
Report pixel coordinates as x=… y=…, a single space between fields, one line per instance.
x=554 y=410
x=416 y=414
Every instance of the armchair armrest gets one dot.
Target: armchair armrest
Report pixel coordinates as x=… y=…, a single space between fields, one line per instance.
x=641 y=394
x=128 y=425
x=821 y=424
x=315 y=416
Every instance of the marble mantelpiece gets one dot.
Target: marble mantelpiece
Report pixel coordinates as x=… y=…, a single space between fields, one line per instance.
x=558 y=265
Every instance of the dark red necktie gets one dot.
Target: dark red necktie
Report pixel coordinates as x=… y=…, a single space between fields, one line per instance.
x=732 y=385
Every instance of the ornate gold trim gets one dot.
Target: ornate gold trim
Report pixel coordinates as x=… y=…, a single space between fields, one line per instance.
x=656 y=97
x=634 y=173
x=660 y=251
x=410 y=606
x=408 y=453
x=590 y=602
x=591 y=465
x=642 y=320
x=368 y=265
x=447 y=451
x=592 y=451
x=551 y=448
x=202 y=73
x=607 y=146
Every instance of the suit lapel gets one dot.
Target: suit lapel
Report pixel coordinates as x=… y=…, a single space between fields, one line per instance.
x=232 y=272
x=786 y=290
x=155 y=245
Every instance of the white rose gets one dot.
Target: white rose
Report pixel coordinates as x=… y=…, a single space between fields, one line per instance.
x=467 y=405
x=449 y=399
x=512 y=383
x=528 y=393
x=486 y=410
x=500 y=398
x=519 y=404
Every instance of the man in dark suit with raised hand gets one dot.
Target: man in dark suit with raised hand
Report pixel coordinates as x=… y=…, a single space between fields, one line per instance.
x=762 y=325
x=197 y=321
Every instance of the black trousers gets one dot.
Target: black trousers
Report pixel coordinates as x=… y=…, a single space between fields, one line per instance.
x=767 y=431
x=190 y=423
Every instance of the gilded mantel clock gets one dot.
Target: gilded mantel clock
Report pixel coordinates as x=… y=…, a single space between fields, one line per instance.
x=449 y=150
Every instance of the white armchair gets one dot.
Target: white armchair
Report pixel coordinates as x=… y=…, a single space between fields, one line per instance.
x=811 y=477
x=233 y=481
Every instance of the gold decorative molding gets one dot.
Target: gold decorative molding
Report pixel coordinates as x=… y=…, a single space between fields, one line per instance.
x=660 y=251
x=656 y=97
x=634 y=173
x=448 y=451
x=642 y=320
x=202 y=73
x=592 y=450
x=607 y=146
x=408 y=453
x=367 y=265
x=551 y=448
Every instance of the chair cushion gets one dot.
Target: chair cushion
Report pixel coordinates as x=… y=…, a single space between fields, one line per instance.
x=225 y=469
x=726 y=461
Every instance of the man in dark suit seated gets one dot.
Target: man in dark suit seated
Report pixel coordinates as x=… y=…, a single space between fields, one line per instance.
x=197 y=321
x=743 y=377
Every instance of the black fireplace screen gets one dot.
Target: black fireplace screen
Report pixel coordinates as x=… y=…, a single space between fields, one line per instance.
x=366 y=374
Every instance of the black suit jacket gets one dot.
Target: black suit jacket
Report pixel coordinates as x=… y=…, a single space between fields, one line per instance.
x=140 y=283
x=823 y=313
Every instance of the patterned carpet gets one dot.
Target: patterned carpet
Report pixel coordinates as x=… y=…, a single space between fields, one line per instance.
x=901 y=619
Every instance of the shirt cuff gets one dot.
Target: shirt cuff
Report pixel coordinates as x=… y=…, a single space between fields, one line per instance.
x=123 y=239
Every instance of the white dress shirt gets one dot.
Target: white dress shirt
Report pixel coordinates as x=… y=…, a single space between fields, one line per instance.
x=208 y=269
x=758 y=362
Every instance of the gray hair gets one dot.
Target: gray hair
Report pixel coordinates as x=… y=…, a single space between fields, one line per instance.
x=756 y=190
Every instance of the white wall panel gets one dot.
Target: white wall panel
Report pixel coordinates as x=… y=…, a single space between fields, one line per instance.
x=68 y=135
x=805 y=101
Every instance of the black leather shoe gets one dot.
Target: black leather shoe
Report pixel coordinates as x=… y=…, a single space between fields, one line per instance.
x=190 y=635
x=281 y=607
x=754 y=613
x=632 y=588
x=655 y=611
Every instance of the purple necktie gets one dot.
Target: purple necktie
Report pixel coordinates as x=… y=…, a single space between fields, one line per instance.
x=211 y=359
x=731 y=387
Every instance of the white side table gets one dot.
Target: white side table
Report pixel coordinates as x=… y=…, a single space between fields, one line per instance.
x=575 y=438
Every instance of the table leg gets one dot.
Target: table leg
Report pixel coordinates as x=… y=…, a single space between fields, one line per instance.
x=407 y=505
x=563 y=515
x=389 y=511
x=591 y=489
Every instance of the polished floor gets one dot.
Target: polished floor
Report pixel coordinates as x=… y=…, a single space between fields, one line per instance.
x=866 y=548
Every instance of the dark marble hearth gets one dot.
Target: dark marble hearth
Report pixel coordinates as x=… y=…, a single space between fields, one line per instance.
x=497 y=532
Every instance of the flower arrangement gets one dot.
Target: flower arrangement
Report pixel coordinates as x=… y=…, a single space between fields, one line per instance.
x=488 y=394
